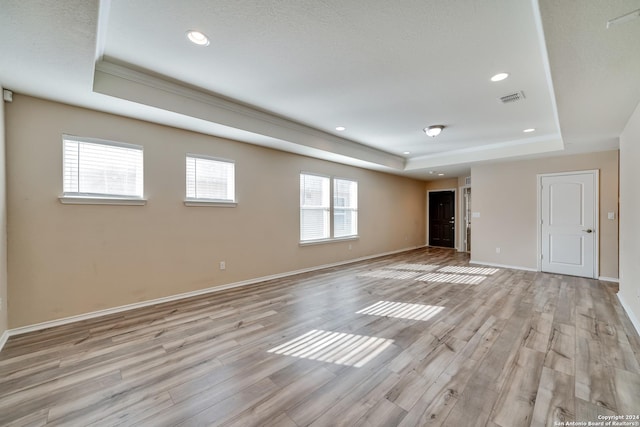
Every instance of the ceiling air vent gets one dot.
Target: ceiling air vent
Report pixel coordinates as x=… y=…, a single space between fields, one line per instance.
x=512 y=97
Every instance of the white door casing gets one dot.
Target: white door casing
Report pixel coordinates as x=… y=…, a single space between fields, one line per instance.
x=568 y=207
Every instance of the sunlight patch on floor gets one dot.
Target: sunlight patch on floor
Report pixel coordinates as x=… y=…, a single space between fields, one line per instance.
x=334 y=347
x=413 y=267
x=466 y=279
x=470 y=270
x=434 y=273
x=402 y=310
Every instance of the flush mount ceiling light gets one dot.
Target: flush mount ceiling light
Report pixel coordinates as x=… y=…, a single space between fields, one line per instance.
x=340 y=128
x=407 y=152
x=434 y=130
x=529 y=130
x=196 y=37
x=499 y=77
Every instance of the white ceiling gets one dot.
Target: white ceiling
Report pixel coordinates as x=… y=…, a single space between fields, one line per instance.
x=285 y=73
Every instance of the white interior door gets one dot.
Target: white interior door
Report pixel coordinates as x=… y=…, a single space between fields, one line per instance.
x=568 y=225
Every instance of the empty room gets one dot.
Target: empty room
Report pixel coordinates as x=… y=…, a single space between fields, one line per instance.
x=319 y=213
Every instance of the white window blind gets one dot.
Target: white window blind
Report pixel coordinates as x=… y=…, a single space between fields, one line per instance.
x=95 y=168
x=345 y=208
x=314 y=207
x=210 y=179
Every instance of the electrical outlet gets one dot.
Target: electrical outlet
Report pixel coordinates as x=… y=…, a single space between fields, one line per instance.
x=223 y=265
x=349 y=246
x=497 y=250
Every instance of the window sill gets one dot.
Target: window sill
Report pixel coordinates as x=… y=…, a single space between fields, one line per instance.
x=122 y=201
x=323 y=241
x=210 y=203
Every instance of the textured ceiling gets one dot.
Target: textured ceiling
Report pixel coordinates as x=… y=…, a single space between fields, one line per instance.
x=595 y=70
x=382 y=70
x=285 y=73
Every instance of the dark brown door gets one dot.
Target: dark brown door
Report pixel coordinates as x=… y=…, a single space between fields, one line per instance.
x=442 y=208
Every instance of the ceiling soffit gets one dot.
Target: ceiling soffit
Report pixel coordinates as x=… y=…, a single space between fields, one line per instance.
x=458 y=144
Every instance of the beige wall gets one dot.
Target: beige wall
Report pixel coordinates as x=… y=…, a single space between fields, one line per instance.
x=505 y=195
x=3 y=226
x=629 y=215
x=72 y=259
x=442 y=184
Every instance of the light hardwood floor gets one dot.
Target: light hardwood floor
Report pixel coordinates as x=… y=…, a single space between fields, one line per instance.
x=421 y=338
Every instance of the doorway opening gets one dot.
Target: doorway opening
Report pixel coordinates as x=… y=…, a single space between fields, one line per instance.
x=442 y=218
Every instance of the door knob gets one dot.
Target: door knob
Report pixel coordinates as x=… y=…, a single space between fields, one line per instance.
x=588 y=230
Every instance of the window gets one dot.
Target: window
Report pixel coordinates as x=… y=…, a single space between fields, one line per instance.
x=345 y=208
x=96 y=169
x=210 y=180
x=319 y=202
x=314 y=207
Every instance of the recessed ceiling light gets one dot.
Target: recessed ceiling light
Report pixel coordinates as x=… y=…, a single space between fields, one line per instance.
x=431 y=172
x=198 y=38
x=529 y=130
x=407 y=152
x=340 y=128
x=440 y=174
x=499 y=77
x=434 y=130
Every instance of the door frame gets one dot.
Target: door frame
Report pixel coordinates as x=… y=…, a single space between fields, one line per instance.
x=462 y=247
x=596 y=216
x=455 y=216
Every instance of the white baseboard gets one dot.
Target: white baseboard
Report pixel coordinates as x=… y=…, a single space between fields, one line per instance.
x=609 y=279
x=632 y=316
x=127 y=307
x=513 y=267
x=3 y=339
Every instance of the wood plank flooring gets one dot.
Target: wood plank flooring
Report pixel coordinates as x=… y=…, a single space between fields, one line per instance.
x=416 y=339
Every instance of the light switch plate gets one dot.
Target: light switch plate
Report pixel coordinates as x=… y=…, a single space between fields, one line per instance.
x=611 y=215
x=475 y=214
